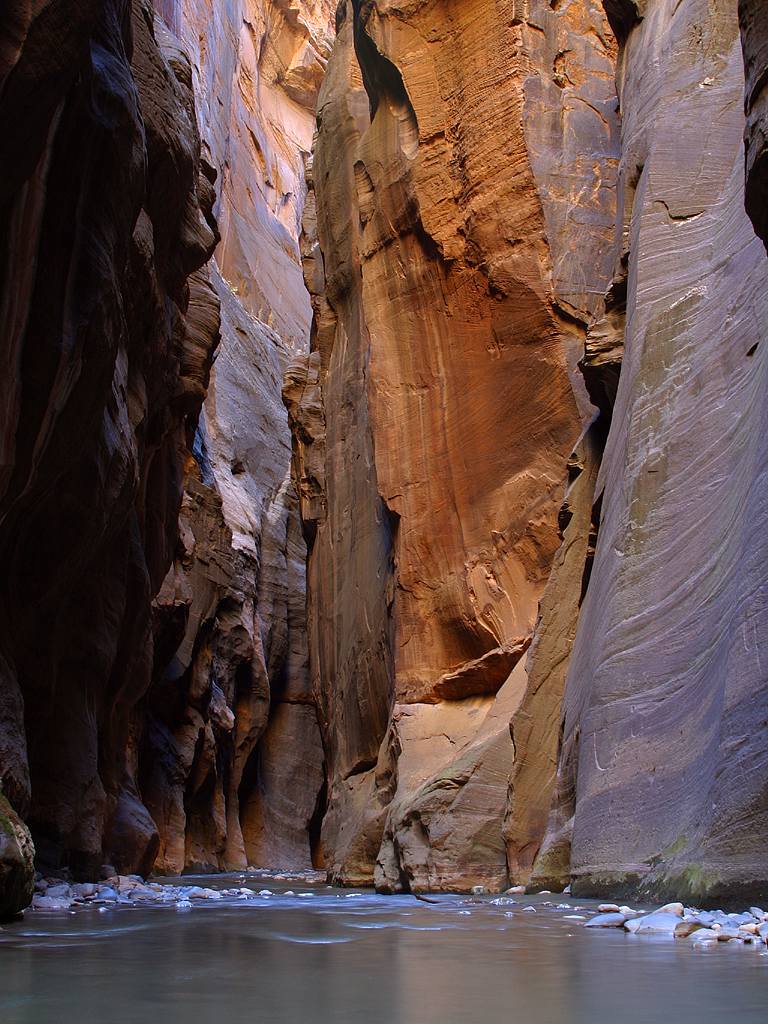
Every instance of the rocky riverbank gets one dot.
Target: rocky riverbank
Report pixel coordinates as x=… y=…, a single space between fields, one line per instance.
x=672 y=921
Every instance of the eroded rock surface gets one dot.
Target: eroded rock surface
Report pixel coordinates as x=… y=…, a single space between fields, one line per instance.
x=108 y=328
x=147 y=643
x=231 y=759
x=753 y=16
x=665 y=687
x=456 y=199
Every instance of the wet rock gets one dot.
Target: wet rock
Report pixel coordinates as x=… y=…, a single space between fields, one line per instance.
x=51 y=903
x=685 y=928
x=606 y=920
x=658 y=923
x=17 y=870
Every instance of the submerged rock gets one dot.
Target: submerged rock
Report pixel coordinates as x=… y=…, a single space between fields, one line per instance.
x=607 y=920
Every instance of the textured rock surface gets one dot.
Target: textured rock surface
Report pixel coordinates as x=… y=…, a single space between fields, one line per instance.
x=753 y=16
x=107 y=333
x=231 y=761
x=114 y=708
x=17 y=869
x=456 y=293
x=666 y=695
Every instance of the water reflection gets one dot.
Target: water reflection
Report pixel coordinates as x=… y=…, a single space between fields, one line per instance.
x=331 y=959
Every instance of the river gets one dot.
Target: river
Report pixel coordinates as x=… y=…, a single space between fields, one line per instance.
x=335 y=956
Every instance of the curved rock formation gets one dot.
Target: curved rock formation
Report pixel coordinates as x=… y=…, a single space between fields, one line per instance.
x=465 y=235
x=108 y=329
x=231 y=762
x=17 y=868
x=753 y=16
x=665 y=689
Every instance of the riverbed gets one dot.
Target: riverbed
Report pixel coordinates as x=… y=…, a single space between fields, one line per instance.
x=311 y=954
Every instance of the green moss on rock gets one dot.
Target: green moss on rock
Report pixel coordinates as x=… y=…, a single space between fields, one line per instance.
x=17 y=862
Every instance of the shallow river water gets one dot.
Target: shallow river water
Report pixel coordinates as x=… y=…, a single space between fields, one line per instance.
x=351 y=957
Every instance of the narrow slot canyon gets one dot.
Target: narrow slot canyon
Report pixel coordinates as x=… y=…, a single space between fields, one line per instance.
x=384 y=494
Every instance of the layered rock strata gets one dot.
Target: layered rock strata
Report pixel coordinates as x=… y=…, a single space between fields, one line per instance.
x=465 y=209
x=662 y=774
x=753 y=17
x=108 y=326
x=231 y=759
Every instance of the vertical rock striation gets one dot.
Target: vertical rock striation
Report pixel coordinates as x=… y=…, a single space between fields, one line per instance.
x=108 y=325
x=465 y=233
x=664 y=754
x=231 y=760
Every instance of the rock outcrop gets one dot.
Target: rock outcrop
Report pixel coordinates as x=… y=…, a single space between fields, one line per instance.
x=465 y=210
x=231 y=760
x=664 y=757
x=17 y=862
x=753 y=16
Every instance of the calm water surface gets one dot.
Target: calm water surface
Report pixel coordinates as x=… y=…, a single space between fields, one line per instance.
x=337 y=957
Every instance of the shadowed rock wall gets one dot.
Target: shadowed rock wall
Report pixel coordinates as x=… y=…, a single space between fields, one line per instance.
x=664 y=753
x=108 y=326
x=753 y=16
x=159 y=541
x=231 y=759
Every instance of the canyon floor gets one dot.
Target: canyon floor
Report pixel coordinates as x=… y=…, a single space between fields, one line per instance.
x=279 y=950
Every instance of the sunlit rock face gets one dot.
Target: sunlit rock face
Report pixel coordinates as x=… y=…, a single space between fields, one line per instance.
x=231 y=758
x=107 y=326
x=464 y=175
x=662 y=775
x=753 y=16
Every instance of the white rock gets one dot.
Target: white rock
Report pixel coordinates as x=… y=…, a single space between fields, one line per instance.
x=51 y=903
x=608 y=908
x=609 y=919
x=658 y=923
x=672 y=908
x=516 y=890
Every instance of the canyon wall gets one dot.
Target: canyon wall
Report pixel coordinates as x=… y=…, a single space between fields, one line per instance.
x=465 y=209
x=661 y=784
x=155 y=706
x=109 y=324
x=537 y=654
x=231 y=762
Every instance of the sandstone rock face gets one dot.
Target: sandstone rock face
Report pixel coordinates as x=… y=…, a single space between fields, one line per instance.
x=130 y=723
x=457 y=200
x=753 y=16
x=231 y=759
x=666 y=694
x=108 y=327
